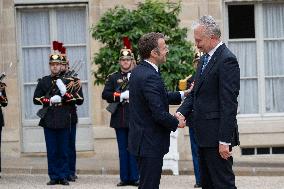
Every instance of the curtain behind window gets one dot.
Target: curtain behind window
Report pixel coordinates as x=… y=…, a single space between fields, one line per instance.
x=71 y=29
x=246 y=55
x=273 y=17
x=35 y=51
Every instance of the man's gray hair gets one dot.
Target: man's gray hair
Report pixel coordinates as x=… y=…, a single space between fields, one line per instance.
x=211 y=27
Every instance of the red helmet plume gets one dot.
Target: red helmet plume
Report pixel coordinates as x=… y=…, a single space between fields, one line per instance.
x=127 y=43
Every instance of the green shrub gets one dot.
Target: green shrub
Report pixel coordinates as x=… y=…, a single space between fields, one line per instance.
x=150 y=16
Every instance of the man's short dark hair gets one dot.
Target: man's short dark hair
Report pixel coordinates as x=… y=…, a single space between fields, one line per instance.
x=147 y=43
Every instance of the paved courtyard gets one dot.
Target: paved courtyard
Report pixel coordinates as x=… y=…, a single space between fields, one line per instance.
x=31 y=181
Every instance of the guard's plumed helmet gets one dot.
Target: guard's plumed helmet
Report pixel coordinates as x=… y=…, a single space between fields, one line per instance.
x=54 y=58
x=55 y=55
x=59 y=53
x=126 y=51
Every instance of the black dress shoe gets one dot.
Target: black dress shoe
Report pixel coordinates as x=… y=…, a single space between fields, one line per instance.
x=52 y=182
x=75 y=176
x=122 y=183
x=71 y=178
x=134 y=183
x=197 y=186
x=64 y=182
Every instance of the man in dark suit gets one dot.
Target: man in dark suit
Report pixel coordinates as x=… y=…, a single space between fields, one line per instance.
x=214 y=104
x=150 y=120
x=3 y=103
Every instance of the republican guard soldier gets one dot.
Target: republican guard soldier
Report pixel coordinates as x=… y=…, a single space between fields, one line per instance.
x=116 y=93
x=52 y=94
x=74 y=87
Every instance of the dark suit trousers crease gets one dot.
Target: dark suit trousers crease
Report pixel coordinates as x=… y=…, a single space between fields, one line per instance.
x=216 y=172
x=150 y=170
x=0 y=146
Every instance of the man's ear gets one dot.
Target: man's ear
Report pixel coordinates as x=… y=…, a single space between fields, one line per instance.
x=154 y=53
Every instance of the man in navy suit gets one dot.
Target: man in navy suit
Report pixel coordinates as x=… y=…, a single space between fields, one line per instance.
x=150 y=120
x=214 y=105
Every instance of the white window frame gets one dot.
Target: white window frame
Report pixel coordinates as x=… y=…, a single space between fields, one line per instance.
x=52 y=16
x=25 y=2
x=259 y=39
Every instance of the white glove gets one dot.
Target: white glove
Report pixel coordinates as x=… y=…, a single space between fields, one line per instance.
x=0 y=93
x=61 y=86
x=55 y=99
x=128 y=76
x=124 y=95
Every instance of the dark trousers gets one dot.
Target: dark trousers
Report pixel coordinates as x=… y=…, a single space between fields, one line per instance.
x=195 y=158
x=72 y=150
x=57 y=153
x=216 y=172
x=0 y=146
x=127 y=162
x=150 y=170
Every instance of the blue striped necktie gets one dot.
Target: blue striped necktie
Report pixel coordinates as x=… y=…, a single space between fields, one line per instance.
x=205 y=62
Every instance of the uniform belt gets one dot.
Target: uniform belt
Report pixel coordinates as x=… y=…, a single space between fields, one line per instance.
x=57 y=104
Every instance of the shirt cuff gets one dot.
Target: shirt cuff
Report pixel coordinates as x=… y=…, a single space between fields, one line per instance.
x=224 y=143
x=181 y=95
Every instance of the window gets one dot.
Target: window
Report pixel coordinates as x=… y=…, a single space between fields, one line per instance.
x=273 y=32
x=241 y=25
x=262 y=150
x=256 y=36
x=37 y=29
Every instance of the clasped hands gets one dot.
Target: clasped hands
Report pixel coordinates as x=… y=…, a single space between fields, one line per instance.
x=181 y=120
x=124 y=96
x=62 y=88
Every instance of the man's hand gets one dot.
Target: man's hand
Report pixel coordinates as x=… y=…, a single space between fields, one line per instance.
x=181 y=120
x=187 y=92
x=224 y=151
x=55 y=99
x=61 y=86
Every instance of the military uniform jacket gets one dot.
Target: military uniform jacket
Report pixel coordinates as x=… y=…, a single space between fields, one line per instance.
x=3 y=103
x=78 y=100
x=120 y=118
x=57 y=116
x=75 y=89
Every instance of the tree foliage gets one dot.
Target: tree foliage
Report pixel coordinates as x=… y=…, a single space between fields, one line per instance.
x=150 y=16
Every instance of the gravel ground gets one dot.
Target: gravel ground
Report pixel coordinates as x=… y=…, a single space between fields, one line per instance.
x=13 y=181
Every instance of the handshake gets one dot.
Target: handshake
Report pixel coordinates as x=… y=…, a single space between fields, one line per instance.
x=181 y=120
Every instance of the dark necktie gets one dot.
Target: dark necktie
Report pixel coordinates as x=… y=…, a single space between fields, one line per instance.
x=205 y=62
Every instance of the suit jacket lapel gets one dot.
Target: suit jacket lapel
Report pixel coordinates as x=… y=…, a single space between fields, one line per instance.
x=209 y=66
